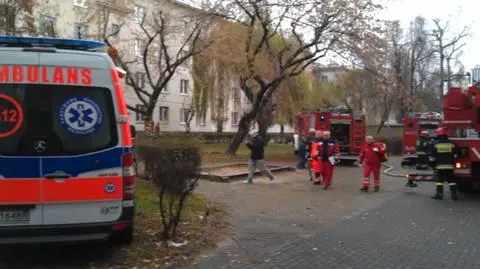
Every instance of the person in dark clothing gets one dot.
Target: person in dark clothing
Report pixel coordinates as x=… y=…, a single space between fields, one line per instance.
x=302 y=147
x=256 y=145
x=423 y=150
x=444 y=151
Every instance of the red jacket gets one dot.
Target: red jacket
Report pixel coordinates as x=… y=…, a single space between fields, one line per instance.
x=371 y=154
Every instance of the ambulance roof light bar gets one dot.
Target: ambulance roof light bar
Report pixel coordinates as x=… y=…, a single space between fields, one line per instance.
x=59 y=43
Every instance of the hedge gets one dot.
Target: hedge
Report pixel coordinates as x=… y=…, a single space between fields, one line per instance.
x=210 y=138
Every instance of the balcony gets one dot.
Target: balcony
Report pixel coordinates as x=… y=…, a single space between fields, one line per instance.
x=118 y=6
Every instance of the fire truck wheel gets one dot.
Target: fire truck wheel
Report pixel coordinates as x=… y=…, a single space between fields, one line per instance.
x=124 y=237
x=348 y=162
x=463 y=186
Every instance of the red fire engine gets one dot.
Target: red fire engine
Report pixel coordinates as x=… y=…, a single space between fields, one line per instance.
x=461 y=111
x=413 y=124
x=345 y=127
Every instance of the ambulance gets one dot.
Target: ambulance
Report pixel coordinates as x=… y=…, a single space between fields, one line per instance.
x=66 y=160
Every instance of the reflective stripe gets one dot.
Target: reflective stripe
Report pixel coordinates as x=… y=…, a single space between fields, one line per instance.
x=444 y=167
x=444 y=147
x=439 y=184
x=82 y=189
x=20 y=191
x=452 y=184
x=421 y=153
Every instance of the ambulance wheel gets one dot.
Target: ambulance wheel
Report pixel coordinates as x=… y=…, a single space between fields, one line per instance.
x=464 y=186
x=124 y=237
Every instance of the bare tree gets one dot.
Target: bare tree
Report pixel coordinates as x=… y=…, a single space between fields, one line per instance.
x=163 y=44
x=16 y=17
x=264 y=22
x=445 y=43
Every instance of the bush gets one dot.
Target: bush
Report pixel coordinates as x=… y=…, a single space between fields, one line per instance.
x=394 y=145
x=175 y=172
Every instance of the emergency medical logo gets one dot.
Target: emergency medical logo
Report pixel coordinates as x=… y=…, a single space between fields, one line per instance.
x=110 y=188
x=80 y=116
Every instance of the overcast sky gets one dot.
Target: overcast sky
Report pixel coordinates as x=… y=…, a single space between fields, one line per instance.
x=459 y=12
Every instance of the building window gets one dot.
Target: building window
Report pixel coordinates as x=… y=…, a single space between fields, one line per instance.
x=184 y=86
x=202 y=118
x=163 y=114
x=140 y=80
x=165 y=88
x=114 y=29
x=184 y=113
x=79 y=3
x=8 y=18
x=80 y=31
x=235 y=118
x=324 y=79
x=140 y=116
x=139 y=14
x=139 y=47
x=186 y=62
x=46 y=26
x=236 y=94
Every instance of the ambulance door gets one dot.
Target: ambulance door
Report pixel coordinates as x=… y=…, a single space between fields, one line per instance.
x=83 y=175
x=20 y=177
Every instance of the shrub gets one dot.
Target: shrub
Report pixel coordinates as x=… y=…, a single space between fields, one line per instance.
x=175 y=172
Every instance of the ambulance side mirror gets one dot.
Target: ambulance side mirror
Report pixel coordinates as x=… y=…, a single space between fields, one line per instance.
x=133 y=131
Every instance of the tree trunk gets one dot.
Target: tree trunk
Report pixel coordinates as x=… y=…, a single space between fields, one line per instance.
x=262 y=126
x=282 y=129
x=440 y=87
x=243 y=128
x=449 y=73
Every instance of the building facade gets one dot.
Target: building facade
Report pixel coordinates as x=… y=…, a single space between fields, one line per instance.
x=125 y=23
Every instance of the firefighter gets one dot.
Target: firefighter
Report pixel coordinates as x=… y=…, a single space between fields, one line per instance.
x=444 y=152
x=423 y=150
x=327 y=152
x=371 y=158
x=316 y=158
x=308 y=143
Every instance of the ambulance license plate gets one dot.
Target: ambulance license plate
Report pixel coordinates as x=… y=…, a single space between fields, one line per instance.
x=14 y=215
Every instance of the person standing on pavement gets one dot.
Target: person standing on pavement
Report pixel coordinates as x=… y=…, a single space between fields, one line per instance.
x=423 y=150
x=256 y=145
x=316 y=157
x=308 y=145
x=444 y=151
x=371 y=157
x=327 y=151
x=302 y=154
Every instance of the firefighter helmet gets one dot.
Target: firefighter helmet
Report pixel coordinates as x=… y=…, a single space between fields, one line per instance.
x=424 y=133
x=441 y=131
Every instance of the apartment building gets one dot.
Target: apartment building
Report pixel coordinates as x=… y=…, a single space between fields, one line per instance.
x=122 y=21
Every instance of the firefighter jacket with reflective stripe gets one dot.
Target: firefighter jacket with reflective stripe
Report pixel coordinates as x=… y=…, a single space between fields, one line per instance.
x=424 y=146
x=315 y=147
x=444 y=152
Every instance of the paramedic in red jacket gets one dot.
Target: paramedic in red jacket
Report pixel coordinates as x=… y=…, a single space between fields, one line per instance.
x=370 y=158
x=327 y=151
x=314 y=155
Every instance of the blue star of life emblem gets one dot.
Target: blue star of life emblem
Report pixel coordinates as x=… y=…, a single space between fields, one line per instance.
x=80 y=116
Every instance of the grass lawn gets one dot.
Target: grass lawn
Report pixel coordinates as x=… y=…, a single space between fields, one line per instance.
x=215 y=153
x=148 y=251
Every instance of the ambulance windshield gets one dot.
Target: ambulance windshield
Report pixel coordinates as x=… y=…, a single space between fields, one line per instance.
x=55 y=120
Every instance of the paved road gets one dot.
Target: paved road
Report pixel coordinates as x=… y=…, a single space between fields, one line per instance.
x=396 y=228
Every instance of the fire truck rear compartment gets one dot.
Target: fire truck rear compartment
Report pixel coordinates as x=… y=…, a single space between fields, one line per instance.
x=341 y=133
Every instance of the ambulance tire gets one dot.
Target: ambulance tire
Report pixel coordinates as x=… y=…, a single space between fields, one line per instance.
x=464 y=186
x=124 y=237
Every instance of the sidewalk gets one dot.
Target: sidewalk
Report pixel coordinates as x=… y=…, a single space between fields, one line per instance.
x=268 y=214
